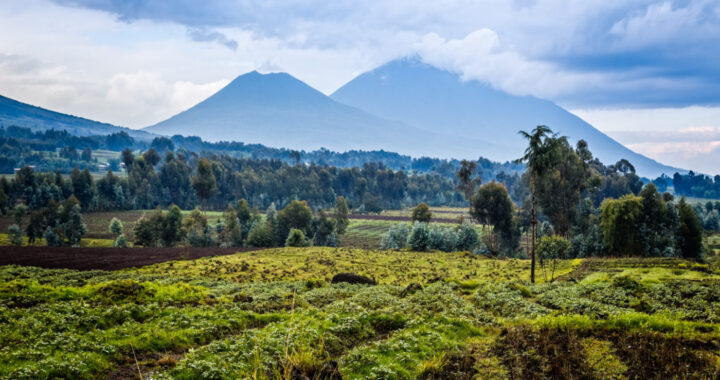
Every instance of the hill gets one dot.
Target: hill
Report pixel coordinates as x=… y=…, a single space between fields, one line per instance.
x=15 y=113
x=423 y=96
x=281 y=111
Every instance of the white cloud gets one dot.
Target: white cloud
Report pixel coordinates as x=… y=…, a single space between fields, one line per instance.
x=482 y=56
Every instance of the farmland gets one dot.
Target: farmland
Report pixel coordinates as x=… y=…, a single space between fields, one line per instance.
x=275 y=314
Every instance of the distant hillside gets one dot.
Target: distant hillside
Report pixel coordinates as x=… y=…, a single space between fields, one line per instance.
x=13 y=112
x=423 y=96
x=279 y=110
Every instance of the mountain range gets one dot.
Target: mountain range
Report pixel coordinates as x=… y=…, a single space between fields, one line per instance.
x=15 y=113
x=405 y=106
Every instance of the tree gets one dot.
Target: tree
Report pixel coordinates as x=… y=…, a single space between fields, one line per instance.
x=204 y=182
x=538 y=156
x=492 y=206
x=128 y=158
x=148 y=229
x=396 y=237
x=323 y=227
x=152 y=157
x=198 y=230
x=552 y=248
x=620 y=219
x=559 y=190
x=296 y=215
x=296 y=238
x=690 y=232
x=74 y=228
x=172 y=231
x=82 y=184
x=86 y=154
x=341 y=215
x=465 y=175
x=115 y=227
x=421 y=213
x=51 y=237
x=162 y=144
x=35 y=227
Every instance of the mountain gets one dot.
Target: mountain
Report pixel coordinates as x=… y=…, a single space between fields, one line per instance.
x=15 y=113
x=279 y=110
x=425 y=97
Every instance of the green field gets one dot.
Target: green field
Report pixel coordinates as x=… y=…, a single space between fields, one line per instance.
x=274 y=314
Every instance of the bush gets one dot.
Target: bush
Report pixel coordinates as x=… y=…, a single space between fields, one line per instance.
x=296 y=238
x=467 y=237
x=419 y=237
x=395 y=238
x=15 y=233
x=120 y=242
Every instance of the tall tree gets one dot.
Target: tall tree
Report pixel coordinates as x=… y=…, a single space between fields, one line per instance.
x=466 y=176
x=491 y=205
x=341 y=215
x=690 y=232
x=204 y=182
x=538 y=156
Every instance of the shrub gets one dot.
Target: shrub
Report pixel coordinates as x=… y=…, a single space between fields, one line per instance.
x=120 y=242
x=296 y=238
x=467 y=237
x=419 y=238
x=15 y=232
x=395 y=238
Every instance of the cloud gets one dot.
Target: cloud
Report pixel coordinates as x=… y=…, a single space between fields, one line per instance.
x=633 y=53
x=205 y=35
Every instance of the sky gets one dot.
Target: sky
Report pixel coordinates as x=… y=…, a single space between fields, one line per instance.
x=644 y=72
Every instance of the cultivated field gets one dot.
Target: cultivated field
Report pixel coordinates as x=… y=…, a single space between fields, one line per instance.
x=275 y=314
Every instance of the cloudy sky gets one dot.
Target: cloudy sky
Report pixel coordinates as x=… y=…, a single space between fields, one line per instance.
x=645 y=72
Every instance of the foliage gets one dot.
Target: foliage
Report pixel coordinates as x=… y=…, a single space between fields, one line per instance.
x=419 y=238
x=340 y=215
x=116 y=227
x=421 y=213
x=296 y=238
x=620 y=219
x=396 y=237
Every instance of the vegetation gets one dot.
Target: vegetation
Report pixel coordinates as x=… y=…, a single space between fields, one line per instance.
x=274 y=313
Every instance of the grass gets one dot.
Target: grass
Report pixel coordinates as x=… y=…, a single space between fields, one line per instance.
x=396 y=268
x=274 y=314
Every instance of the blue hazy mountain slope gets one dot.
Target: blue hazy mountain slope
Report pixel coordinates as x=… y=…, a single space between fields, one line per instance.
x=15 y=113
x=423 y=96
x=279 y=110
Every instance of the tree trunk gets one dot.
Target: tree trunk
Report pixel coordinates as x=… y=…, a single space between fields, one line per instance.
x=532 y=224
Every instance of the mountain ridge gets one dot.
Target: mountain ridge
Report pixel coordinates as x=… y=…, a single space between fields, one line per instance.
x=16 y=113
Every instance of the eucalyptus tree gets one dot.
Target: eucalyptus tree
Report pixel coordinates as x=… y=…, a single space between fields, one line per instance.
x=539 y=156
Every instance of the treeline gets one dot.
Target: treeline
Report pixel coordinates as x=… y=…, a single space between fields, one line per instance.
x=696 y=185
x=293 y=226
x=191 y=181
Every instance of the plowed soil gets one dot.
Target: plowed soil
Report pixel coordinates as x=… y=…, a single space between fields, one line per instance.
x=104 y=258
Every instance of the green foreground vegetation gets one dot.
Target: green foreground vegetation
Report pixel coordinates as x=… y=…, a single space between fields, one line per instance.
x=274 y=314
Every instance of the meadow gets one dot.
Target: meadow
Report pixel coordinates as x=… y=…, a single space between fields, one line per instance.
x=275 y=314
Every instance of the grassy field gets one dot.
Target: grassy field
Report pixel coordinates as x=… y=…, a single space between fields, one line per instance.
x=274 y=314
